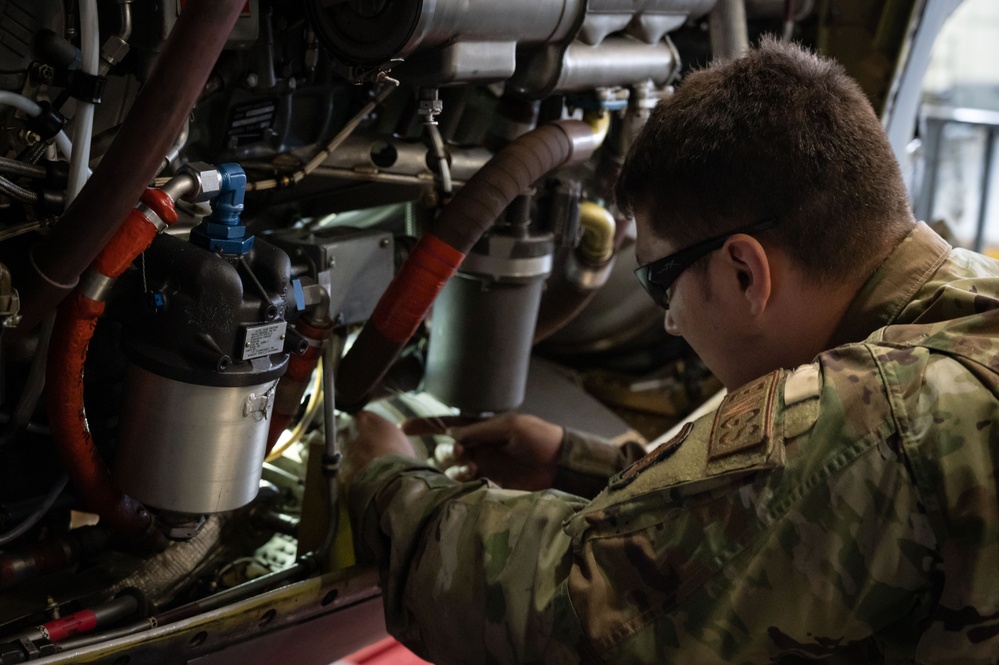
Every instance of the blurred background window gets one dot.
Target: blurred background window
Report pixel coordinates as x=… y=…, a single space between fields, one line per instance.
x=959 y=125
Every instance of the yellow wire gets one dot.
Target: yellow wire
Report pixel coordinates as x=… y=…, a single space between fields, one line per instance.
x=315 y=401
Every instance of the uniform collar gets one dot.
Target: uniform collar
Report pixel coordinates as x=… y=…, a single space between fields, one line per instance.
x=883 y=297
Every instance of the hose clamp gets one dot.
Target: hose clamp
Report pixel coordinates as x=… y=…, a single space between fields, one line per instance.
x=95 y=286
x=151 y=217
x=500 y=267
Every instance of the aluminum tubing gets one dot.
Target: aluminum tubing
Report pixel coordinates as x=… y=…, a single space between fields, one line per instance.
x=438 y=254
x=729 y=32
x=523 y=21
x=616 y=61
x=146 y=136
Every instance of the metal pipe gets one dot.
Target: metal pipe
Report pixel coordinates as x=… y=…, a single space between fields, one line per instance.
x=331 y=451
x=164 y=103
x=177 y=147
x=597 y=244
x=729 y=31
x=616 y=61
x=571 y=288
x=599 y=122
x=126 y=19
x=180 y=186
x=437 y=141
x=303 y=568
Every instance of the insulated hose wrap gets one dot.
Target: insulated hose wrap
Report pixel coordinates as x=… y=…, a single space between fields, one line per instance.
x=412 y=292
x=74 y=327
x=296 y=379
x=437 y=256
x=134 y=236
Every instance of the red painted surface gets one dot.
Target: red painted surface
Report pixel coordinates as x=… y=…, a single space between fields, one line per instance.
x=385 y=652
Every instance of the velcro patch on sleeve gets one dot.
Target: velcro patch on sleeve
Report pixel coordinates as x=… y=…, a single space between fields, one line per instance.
x=745 y=418
x=659 y=454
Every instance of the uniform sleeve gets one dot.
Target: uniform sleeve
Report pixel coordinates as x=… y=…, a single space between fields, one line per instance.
x=950 y=444
x=470 y=573
x=758 y=533
x=586 y=462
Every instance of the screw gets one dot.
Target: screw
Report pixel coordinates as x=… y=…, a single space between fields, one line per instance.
x=384 y=242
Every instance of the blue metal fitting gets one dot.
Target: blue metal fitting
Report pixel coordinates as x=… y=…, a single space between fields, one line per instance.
x=222 y=230
x=156 y=301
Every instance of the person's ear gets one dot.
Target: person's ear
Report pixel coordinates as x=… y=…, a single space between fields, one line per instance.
x=670 y=325
x=750 y=267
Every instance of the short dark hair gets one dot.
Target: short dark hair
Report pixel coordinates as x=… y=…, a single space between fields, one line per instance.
x=779 y=133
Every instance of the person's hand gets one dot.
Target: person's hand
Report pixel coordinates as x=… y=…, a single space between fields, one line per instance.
x=515 y=451
x=370 y=436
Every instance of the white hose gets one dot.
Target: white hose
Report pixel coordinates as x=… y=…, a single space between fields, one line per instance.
x=22 y=103
x=83 y=121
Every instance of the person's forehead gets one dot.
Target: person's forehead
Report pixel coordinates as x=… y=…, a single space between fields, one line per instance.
x=649 y=246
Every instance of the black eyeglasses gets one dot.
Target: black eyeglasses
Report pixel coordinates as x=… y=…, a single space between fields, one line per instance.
x=656 y=277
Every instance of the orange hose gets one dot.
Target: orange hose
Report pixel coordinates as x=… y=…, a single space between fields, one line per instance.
x=74 y=327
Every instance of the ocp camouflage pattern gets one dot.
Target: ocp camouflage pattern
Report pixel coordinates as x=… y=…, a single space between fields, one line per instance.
x=864 y=528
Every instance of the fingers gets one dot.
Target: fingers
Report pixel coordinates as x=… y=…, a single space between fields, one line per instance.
x=494 y=430
x=462 y=472
x=435 y=425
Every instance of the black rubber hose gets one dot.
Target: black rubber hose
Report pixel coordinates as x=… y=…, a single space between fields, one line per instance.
x=437 y=256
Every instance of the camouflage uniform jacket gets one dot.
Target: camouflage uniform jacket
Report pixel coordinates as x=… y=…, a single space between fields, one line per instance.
x=848 y=506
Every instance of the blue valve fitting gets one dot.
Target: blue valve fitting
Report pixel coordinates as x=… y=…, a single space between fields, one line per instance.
x=222 y=230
